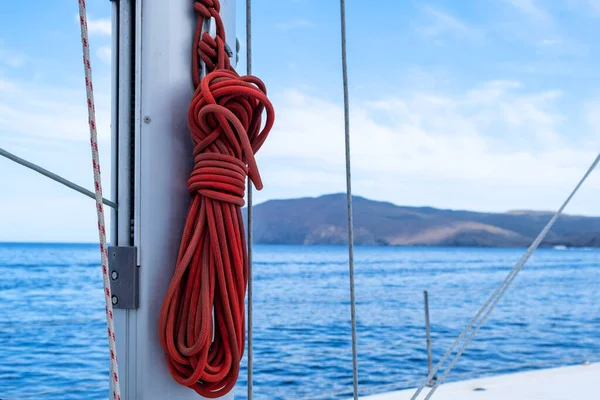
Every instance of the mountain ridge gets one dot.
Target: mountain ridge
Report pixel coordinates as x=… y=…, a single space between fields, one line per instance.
x=322 y=220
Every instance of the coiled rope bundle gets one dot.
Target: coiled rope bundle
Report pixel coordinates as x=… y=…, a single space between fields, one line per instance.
x=202 y=319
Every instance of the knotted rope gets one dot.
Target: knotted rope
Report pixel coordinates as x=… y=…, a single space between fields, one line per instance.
x=202 y=322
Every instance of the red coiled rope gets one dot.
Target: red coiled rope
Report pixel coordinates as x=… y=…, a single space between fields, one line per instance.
x=202 y=319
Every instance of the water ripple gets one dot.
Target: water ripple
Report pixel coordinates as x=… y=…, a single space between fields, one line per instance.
x=302 y=323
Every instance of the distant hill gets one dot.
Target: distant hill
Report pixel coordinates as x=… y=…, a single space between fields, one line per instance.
x=323 y=220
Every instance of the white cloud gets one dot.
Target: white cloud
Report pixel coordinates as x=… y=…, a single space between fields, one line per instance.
x=438 y=23
x=494 y=147
x=529 y=8
x=536 y=26
x=55 y=112
x=104 y=53
x=47 y=124
x=295 y=24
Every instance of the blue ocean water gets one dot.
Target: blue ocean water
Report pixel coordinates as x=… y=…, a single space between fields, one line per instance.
x=550 y=317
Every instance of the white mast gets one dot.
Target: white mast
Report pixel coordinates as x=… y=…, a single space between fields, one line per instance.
x=152 y=160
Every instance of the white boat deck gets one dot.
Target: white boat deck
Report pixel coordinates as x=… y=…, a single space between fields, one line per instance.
x=565 y=383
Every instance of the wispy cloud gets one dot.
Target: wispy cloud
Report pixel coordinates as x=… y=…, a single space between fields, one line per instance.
x=440 y=23
x=551 y=42
x=294 y=24
x=496 y=137
x=44 y=119
x=530 y=8
x=537 y=26
x=60 y=112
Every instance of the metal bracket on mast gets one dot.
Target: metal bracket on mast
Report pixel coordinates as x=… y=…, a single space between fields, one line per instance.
x=124 y=276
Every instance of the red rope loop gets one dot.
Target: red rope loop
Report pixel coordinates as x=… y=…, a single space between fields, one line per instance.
x=202 y=319
x=210 y=51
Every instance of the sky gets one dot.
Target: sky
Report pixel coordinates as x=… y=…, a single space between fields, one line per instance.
x=482 y=105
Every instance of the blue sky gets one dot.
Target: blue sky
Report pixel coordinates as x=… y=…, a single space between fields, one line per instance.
x=486 y=105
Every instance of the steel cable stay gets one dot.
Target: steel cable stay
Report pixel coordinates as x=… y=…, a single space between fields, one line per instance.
x=250 y=289
x=349 y=199
x=489 y=305
x=57 y=178
x=485 y=311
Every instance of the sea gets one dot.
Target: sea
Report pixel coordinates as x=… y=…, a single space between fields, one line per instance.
x=52 y=329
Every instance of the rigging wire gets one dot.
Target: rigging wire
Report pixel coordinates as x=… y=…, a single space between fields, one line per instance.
x=250 y=366
x=54 y=177
x=349 y=200
x=493 y=300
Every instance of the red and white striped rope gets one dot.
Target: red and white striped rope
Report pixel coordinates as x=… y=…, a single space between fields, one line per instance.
x=112 y=344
